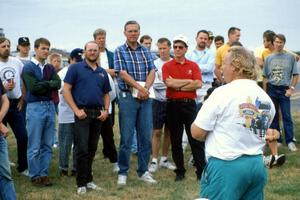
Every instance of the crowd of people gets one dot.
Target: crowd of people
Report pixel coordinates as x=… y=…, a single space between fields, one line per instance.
x=240 y=97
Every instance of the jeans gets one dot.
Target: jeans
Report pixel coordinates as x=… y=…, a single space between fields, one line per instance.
x=134 y=113
x=180 y=115
x=7 y=189
x=277 y=94
x=16 y=121
x=134 y=148
x=66 y=139
x=87 y=133
x=40 y=123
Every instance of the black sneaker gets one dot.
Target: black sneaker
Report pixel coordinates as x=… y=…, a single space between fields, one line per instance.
x=63 y=172
x=279 y=161
x=179 y=177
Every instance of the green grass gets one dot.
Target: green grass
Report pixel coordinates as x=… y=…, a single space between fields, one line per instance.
x=283 y=183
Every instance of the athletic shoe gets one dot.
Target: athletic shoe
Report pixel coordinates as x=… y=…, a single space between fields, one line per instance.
x=122 y=180
x=153 y=167
x=179 y=177
x=292 y=147
x=147 y=177
x=166 y=164
x=191 y=161
x=25 y=172
x=269 y=160
x=116 y=167
x=81 y=190
x=279 y=160
x=93 y=186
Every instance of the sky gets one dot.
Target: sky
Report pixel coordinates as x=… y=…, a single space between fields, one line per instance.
x=69 y=24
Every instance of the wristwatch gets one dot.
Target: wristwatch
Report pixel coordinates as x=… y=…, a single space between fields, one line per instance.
x=292 y=87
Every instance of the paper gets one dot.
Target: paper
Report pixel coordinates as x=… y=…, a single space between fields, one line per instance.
x=142 y=83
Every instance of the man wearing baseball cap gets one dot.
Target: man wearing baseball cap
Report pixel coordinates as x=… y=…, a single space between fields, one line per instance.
x=23 y=49
x=182 y=77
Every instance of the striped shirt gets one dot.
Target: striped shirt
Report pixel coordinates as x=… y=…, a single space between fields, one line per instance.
x=136 y=62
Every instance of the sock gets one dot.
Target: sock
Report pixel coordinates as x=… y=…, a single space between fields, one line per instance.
x=154 y=160
x=276 y=157
x=163 y=158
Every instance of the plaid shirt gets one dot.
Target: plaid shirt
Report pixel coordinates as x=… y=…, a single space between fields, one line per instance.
x=136 y=62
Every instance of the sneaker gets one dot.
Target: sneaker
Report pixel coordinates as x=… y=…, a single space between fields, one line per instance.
x=147 y=177
x=279 y=160
x=81 y=190
x=46 y=181
x=12 y=164
x=292 y=147
x=122 y=180
x=166 y=164
x=93 y=186
x=179 y=177
x=269 y=160
x=153 y=167
x=63 y=172
x=25 y=172
x=116 y=167
x=55 y=146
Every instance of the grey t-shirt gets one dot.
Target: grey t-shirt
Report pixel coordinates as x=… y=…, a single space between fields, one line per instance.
x=279 y=69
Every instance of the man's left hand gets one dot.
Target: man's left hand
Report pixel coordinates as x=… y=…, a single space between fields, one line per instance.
x=103 y=116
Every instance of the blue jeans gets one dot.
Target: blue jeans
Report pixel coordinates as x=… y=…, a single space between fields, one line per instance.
x=66 y=139
x=40 y=123
x=277 y=94
x=7 y=189
x=16 y=121
x=134 y=113
x=134 y=148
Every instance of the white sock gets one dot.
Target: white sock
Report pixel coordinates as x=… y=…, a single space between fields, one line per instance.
x=276 y=157
x=163 y=158
x=154 y=160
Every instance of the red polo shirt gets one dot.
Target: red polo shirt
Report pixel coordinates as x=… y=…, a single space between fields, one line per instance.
x=187 y=70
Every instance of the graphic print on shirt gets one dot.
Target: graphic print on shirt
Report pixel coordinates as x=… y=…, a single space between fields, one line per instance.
x=257 y=116
x=7 y=74
x=277 y=66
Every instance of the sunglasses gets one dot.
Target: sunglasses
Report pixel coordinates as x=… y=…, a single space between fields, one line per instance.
x=178 y=47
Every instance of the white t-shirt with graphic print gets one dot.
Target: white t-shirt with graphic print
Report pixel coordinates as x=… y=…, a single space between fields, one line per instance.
x=236 y=117
x=11 y=71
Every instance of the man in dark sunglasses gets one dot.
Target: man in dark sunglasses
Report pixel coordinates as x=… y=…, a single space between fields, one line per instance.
x=182 y=77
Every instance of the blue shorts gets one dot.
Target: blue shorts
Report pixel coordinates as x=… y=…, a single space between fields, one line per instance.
x=241 y=179
x=159 y=113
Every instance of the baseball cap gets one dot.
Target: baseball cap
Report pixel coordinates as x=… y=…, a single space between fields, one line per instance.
x=24 y=41
x=181 y=38
x=77 y=54
x=210 y=34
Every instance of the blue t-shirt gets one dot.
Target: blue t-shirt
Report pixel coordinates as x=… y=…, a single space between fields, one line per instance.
x=279 y=69
x=88 y=85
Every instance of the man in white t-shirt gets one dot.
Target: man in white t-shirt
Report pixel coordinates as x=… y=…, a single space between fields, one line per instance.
x=235 y=130
x=66 y=121
x=23 y=49
x=107 y=62
x=159 y=113
x=10 y=74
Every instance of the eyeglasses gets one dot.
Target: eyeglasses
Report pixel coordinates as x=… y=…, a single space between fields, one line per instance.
x=178 y=47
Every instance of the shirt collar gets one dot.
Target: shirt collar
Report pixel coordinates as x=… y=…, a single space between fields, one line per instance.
x=87 y=65
x=128 y=47
x=35 y=61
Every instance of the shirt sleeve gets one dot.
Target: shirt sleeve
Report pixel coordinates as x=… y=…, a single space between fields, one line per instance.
x=219 y=57
x=197 y=72
x=106 y=88
x=71 y=75
x=165 y=72
x=119 y=62
x=207 y=116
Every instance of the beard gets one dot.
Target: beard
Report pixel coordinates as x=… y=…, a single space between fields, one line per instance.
x=202 y=45
x=92 y=60
x=4 y=55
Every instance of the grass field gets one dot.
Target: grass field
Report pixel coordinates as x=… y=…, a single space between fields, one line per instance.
x=283 y=183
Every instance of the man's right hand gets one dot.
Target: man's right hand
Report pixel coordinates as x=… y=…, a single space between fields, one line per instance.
x=80 y=114
x=143 y=94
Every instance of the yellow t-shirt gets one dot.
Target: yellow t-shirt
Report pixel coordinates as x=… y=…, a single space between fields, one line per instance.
x=221 y=53
x=265 y=54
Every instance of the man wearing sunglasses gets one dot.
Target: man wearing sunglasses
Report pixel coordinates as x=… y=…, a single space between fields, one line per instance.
x=182 y=78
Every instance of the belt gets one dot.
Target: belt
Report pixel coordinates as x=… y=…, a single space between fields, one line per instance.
x=90 y=107
x=186 y=100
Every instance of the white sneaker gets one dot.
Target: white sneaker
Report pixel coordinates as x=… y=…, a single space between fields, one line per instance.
x=81 y=190
x=268 y=160
x=153 y=167
x=116 y=167
x=122 y=180
x=166 y=164
x=147 y=177
x=292 y=146
x=191 y=161
x=12 y=164
x=25 y=172
x=93 y=186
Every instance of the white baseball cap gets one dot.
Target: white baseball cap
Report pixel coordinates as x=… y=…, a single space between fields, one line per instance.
x=181 y=38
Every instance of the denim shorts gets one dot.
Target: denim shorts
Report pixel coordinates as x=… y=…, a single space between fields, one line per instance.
x=159 y=112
